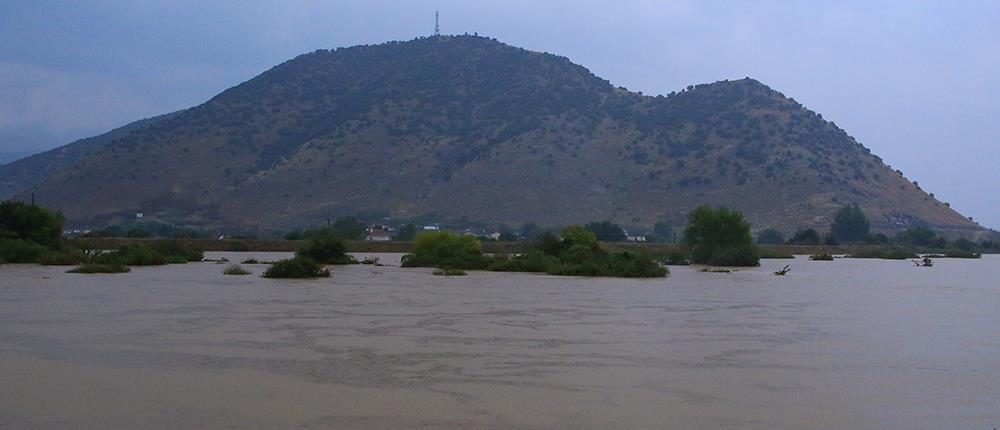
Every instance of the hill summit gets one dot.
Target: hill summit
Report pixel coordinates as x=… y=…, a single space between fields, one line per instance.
x=452 y=127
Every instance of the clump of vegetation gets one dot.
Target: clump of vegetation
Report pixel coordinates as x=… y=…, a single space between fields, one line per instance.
x=92 y=268
x=821 y=257
x=63 y=257
x=720 y=237
x=21 y=251
x=297 y=268
x=177 y=253
x=139 y=255
x=886 y=254
x=578 y=253
x=251 y=261
x=326 y=249
x=370 y=260
x=534 y=260
x=449 y=272
x=28 y=232
x=235 y=269
x=715 y=270
x=445 y=250
x=850 y=225
x=606 y=231
x=805 y=237
x=770 y=237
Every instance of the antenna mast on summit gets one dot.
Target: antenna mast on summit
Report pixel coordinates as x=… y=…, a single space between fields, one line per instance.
x=437 y=29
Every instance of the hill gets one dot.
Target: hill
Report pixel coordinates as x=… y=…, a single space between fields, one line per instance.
x=23 y=174
x=453 y=127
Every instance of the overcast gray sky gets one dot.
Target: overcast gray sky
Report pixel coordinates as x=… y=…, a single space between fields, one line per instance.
x=915 y=81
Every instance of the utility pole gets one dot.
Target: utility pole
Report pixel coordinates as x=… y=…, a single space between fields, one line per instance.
x=437 y=28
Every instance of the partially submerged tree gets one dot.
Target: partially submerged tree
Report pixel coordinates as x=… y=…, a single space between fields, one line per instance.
x=720 y=237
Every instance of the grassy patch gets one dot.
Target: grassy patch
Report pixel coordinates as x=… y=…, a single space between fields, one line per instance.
x=235 y=269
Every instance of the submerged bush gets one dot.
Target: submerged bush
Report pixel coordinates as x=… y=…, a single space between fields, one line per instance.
x=91 y=268
x=251 y=261
x=235 y=269
x=370 y=260
x=821 y=257
x=449 y=272
x=298 y=267
x=326 y=249
x=445 y=250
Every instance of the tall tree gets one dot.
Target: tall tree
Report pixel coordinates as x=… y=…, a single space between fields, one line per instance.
x=850 y=225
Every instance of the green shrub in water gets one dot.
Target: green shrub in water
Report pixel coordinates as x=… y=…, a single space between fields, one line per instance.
x=235 y=269
x=297 y=268
x=326 y=249
x=821 y=257
x=445 y=250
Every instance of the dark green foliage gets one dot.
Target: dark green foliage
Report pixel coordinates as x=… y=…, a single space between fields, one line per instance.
x=90 y=268
x=137 y=233
x=606 y=231
x=720 y=237
x=577 y=253
x=21 y=251
x=963 y=244
x=176 y=251
x=326 y=249
x=534 y=260
x=805 y=237
x=406 y=232
x=235 y=269
x=506 y=234
x=21 y=221
x=297 y=268
x=850 y=225
x=63 y=257
x=449 y=272
x=445 y=250
x=662 y=233
x=821 y=257
x=676 y=258
x=770 y=237
x=920 y=236
x=139 y=255
x=530 y=231
x=349 y=228
x=886 y=254
x=876 y=239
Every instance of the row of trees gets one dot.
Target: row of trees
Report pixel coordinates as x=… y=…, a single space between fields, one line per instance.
x=851 y=226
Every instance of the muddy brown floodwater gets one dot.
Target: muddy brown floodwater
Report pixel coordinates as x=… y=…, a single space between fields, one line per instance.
x=848 y=344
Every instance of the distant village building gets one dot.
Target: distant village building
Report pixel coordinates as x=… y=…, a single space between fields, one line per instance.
x=138 y=214
x=378 y=234
x=635 y=238
x=432 y=227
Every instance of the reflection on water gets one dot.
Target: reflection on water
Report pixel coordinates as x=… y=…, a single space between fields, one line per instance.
x=842 y=344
